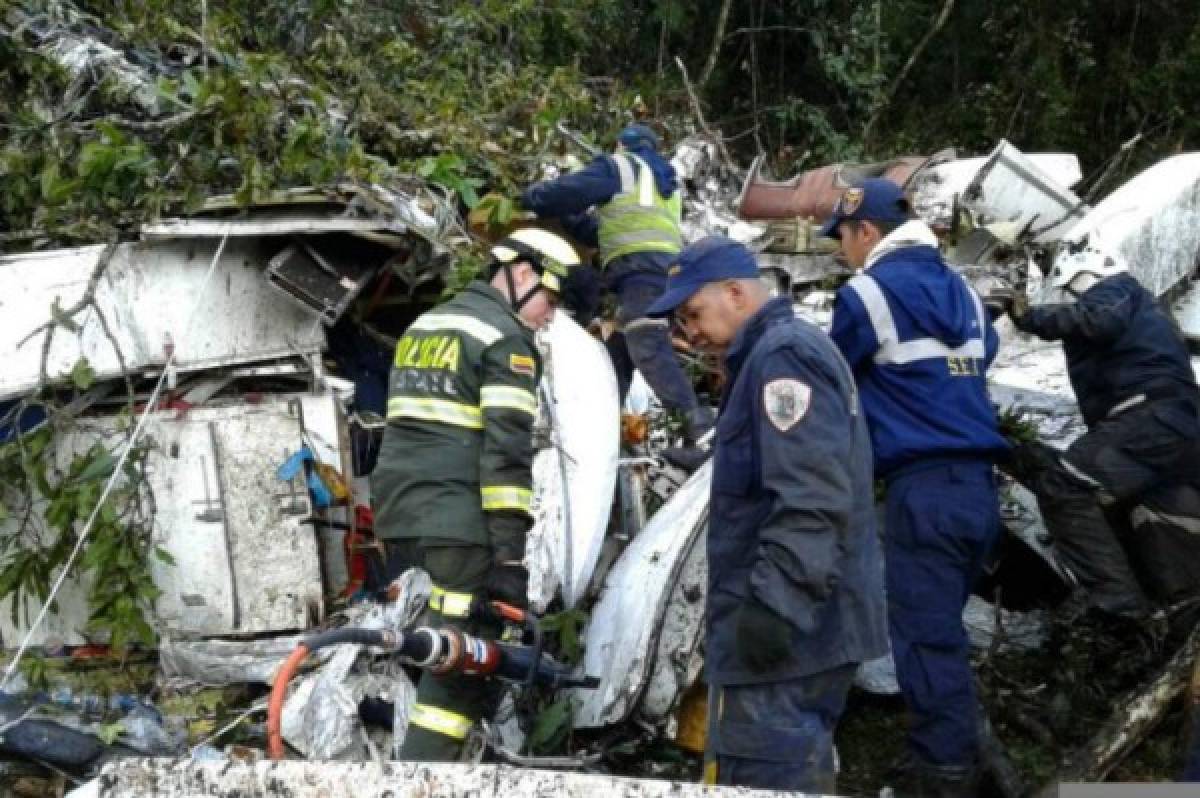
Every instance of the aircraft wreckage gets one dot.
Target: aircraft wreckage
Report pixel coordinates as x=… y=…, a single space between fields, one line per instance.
x=266 y=424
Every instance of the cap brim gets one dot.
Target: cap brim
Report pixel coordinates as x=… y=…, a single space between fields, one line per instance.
x=830 y=228
x=673 y=298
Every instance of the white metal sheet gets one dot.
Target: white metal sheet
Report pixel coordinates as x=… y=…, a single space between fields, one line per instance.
x=935 y=190
x=1186 y=310
x=626 y=622
x=195 y=779
x=1152 y=220
x=1011 y=188
x=575 y=476
x=145 y=294
x=232 y=527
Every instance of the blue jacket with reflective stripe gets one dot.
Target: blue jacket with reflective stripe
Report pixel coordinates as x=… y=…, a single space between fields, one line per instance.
x=919 y=342
x=792 y=519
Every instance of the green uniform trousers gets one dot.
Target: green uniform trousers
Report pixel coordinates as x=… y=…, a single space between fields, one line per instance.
x=448 y=704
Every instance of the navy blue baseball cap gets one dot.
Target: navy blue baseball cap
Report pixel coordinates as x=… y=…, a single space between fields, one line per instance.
x=875 y=199
x=709 y=260
x=638 y=137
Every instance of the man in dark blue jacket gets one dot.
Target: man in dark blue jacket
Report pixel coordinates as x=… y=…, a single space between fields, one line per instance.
x=628 y=205
x=918 y=340
x=1139 y=463
x=795 y=599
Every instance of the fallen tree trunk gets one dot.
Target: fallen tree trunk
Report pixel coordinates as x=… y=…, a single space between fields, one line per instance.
x=1139 y=713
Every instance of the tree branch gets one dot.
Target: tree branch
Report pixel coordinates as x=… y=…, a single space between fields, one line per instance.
x=718 y=39
x=938 y=24
x=687 y=84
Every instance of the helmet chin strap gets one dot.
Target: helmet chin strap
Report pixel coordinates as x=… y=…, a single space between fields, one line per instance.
x=516 y=303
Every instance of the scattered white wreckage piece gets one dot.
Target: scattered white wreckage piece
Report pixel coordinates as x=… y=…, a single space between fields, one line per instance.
x=576 y=471
x=320 y=716
x=1022 y=631
x=626 y=626
x=1186 y=310
x=183 y=779
x=1014 y=189
x=1153 y=220
x=246 y=556
x=141 y=295
x=215 y=663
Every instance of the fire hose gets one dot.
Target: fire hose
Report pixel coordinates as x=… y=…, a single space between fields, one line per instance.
x=442 y=650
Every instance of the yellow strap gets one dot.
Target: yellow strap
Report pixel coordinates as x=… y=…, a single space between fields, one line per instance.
x=443 y=411
x=507 y=497
x=506 y=396
x=449 y=603
x=440 y=721
x=710 y=772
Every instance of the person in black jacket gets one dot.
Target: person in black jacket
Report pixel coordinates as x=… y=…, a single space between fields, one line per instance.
x=1138 y=466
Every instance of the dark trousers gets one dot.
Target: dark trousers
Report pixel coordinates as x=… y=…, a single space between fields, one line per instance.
x=648 y=344
x=778 y=735
x=941 y=524
x=1123 y=505
x=447 y=703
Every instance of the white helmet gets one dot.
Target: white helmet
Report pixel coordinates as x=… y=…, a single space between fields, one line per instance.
x=549 y=254
x=1091 y=260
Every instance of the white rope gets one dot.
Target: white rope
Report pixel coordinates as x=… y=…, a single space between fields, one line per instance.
x=112 y=480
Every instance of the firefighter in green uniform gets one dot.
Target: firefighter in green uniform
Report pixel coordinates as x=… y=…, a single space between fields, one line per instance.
x=453 y=485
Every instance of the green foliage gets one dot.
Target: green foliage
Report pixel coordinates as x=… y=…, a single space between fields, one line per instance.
x=49 y=499
x=567 y=627
x=551 y=727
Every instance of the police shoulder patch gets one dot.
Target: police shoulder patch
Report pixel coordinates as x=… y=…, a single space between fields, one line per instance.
x=522 y=364
x=786 y=402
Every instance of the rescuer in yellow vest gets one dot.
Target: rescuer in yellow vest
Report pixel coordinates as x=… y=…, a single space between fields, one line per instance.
x=628 y=206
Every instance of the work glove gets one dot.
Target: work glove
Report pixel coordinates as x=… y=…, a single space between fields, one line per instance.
x=1018 y=311
x=509 y=582
x=764 y=639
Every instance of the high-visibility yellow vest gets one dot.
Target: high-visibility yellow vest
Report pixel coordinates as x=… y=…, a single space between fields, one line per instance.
x=638 y=218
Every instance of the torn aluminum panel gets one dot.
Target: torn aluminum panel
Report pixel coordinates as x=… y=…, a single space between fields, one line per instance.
x=140 y=294
x=383 y=214
x=575 y=476
x=627 y=620
x=1011 y=188
x=1152 y=220
x=320 y=716
x=246 y=559
x=679 y=656
x=1186 y=310
x=222 y=662
x=184 y=778
x=936 y=189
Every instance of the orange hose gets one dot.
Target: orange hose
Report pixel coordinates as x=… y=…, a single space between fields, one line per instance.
x=275 y=704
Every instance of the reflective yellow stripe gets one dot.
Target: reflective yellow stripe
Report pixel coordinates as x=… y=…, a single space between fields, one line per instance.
x=482 y=332
x=506 y=497
x=457 y=414
x=492 y=396
x=710 y=772
x=440 y=721
x=449 y=603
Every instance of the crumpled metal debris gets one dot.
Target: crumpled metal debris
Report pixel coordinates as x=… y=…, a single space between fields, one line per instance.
x=709 y=196
x=222 y=662
x=1023 y=631
x=320 y=717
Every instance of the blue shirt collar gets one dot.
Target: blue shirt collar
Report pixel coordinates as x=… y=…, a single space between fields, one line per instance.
x=772 y=311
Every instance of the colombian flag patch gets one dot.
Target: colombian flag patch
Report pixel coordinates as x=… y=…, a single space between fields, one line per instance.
x=522 y=364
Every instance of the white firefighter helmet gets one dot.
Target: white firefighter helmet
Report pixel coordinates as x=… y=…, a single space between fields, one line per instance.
x=551 y=255
x=1091 y=260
